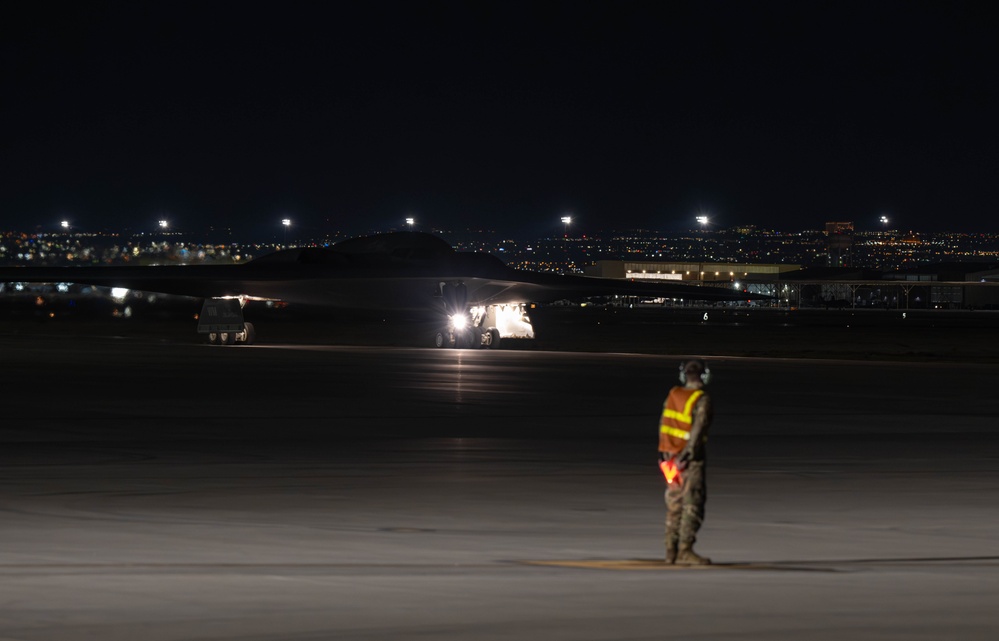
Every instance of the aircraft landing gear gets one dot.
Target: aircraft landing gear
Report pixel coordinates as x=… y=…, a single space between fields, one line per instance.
x=469 y=338
x=245 y=337
x=248 y=335
x=491 y=338
x=222 y=321
x=467 y=327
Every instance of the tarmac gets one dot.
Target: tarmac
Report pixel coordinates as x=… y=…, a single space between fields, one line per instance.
x=156 y=488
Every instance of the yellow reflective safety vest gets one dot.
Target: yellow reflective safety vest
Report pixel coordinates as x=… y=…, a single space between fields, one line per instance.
x=677 y=418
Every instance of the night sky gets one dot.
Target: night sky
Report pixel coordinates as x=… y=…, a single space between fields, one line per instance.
x=499 y=115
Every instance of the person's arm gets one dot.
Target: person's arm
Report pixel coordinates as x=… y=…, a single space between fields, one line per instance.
x=698 y=429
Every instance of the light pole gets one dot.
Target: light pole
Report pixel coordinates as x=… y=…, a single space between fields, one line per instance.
x=410 y=222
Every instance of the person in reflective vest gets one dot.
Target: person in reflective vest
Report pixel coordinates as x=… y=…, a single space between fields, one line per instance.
x=683 y=433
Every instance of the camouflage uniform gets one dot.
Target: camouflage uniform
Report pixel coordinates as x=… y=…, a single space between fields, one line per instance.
x=685 y=508
x=685 y=500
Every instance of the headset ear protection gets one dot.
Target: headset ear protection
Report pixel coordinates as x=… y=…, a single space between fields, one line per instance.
x=705 y=372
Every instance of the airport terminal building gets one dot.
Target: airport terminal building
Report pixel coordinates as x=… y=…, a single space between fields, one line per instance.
x=931 y=286
x=755 y=278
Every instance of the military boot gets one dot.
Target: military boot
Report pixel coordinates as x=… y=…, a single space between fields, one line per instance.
x=671 y=551
x=672 y=539
x=687 y=556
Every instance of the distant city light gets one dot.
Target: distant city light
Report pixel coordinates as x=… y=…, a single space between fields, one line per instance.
x=702 y=257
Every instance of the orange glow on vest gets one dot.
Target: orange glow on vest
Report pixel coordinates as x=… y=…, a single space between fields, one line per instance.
x=677 y=418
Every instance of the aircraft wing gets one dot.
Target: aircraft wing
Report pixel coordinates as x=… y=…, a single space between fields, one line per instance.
x=202 y=281
x=474 y=297
x=356 y=286
x=546 y=288
x=387 y=271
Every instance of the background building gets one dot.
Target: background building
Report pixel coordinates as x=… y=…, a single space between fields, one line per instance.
x=840 y=242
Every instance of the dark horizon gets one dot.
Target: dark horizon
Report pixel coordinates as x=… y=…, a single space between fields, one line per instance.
x=502 y=116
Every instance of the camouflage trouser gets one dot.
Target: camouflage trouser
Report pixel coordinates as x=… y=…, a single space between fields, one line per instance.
x=685 y=506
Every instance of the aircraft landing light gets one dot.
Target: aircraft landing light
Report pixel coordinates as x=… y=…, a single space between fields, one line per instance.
x=659 y=564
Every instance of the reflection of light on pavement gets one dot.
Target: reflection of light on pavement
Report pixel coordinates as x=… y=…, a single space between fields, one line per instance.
x=457 y=387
